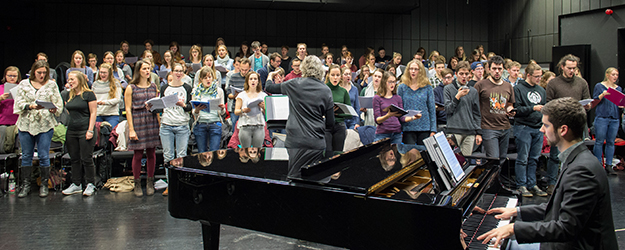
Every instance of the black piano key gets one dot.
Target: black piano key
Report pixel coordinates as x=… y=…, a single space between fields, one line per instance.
x=478 y=224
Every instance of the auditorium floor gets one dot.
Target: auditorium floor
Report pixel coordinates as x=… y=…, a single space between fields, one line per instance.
x=121 y=221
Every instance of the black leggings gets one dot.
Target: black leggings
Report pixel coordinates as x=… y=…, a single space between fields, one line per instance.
x=335 y=137
x=414 y=137
x=80 y=152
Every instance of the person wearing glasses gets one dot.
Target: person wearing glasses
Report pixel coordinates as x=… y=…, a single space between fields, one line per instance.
x=389 y=123
x=530 y=98
x=36 y=123
x=7 y=118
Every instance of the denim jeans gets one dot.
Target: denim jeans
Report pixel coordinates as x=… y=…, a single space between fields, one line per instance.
x=207 y=133
x=112 y=119
x=605 y=130
x=529 y=143
x=395 y=137
x=175 y=139
x=351 y=122
x=495 y=143
x=27 y=142
x=234 y=118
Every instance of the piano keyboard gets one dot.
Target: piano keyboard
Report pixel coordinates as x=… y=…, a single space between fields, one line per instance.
x=478 y=224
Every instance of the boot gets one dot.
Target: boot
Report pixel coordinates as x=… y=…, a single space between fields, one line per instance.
x=45 y=174
x=138 y=190
x=26 y=172
x=149 y=189
x=609 y=170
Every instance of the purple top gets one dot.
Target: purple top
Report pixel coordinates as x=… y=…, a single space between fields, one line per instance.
x=392 y=124
x=6 y=110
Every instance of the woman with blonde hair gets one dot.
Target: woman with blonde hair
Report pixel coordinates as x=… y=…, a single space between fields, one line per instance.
x=224 y=60
x=36 y=124
x=208 y=62
x=82 y=106
x=607 y=116
x=108 y=92
x=417 y=94
x=78 y=63
x=143 y=125
x=207 y=129
x=370 y=91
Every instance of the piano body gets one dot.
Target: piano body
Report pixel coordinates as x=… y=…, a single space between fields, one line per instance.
x=373 y=197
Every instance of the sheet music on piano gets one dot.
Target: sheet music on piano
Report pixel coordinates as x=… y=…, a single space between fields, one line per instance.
x=448 y=167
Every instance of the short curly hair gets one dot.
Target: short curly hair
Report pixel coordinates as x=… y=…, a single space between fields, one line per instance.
x=312 y=67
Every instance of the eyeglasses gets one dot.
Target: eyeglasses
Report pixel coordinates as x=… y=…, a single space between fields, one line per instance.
x=178 y=71
x=538 y=76
x=41 y=72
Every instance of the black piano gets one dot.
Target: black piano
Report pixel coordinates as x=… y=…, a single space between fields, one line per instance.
x=379 y=196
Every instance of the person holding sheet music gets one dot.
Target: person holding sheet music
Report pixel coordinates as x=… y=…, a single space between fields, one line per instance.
x=79 y=64
x=389 y=122
x=251 y=123
x=174 y=130
x=168 y=61
x=335 y=136
x=208 y=124
x=606 y=118
x=108 y=92
x=120 y=63
x=237 y=81
x=370 y=91
x=143 y=125
x=346 y=83
x=223 y=59
x=208 y=62
x=417 y=94
x=36 y=124
x=82 y=107
x=7 y=118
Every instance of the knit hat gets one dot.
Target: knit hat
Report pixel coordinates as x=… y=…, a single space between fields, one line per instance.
x=474 y=65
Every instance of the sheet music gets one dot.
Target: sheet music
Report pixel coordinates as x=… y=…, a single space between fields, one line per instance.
x=449 y=155
x=221 y=69
x=346 y=109
x=8 y=88
x=412 y=113
x=165 y=102
x=131 y=60
x=585 y=102
x=195 y=67
x=254 y=108
x=276 y=108
x=235 y=90
x=615 y=97
x=46 y=105
x=366 y=101
x=211 y=104
x=163 y=74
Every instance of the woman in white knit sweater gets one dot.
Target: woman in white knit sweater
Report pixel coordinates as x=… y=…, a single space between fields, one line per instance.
x=108 y=92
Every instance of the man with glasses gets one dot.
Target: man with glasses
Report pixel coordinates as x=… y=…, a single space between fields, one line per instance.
x=530 y=98
x=462 y=106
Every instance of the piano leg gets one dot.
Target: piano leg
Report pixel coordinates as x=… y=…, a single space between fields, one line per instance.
x=210 y=235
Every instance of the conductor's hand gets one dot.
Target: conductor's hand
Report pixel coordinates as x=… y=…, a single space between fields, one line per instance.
x=502 y=212
x=497 y=233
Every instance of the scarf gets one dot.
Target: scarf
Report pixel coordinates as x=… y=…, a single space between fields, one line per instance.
x=200 y=91
x=224 y=61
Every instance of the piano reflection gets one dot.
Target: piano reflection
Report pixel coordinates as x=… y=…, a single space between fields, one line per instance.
x=379 y=196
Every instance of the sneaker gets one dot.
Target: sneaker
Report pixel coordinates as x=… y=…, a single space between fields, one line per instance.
x=89 y=190
x=536 y=190
x=525 y=192
x=73 y=189
x=550 y=189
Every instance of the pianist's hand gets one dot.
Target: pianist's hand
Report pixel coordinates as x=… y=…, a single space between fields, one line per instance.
x=497 y=233
x=503 y=213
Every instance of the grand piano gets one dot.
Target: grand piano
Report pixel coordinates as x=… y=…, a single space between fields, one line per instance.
x=379 y=196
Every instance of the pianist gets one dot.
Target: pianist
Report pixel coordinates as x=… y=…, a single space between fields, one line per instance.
x=579 y=215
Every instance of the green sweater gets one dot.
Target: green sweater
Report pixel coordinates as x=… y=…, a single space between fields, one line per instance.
x=340 y=95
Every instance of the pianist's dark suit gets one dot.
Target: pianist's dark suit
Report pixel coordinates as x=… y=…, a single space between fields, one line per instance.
x=578 y=214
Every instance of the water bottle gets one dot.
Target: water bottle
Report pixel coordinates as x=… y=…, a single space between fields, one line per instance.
x=11 y=183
